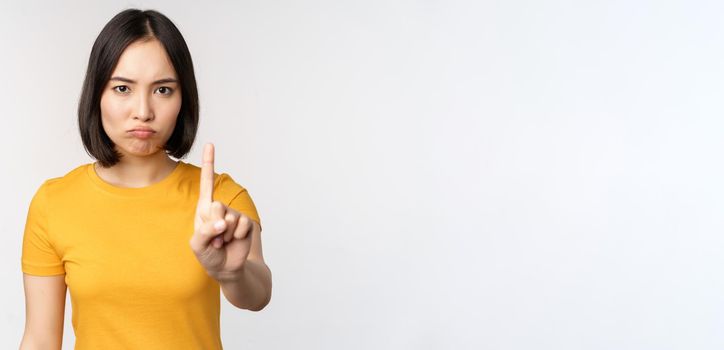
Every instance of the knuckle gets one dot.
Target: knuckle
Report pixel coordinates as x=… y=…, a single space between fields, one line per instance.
x=207 y=229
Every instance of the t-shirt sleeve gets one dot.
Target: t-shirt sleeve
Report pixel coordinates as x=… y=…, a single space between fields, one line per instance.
x=242 y=203
x=39 y=257
x=237 y=196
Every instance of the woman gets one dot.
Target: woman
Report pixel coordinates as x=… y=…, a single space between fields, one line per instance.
x=144 y=243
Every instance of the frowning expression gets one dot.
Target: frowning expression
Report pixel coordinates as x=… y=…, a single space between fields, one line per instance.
x=142 y=93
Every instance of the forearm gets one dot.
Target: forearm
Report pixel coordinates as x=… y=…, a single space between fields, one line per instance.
x=251 y=289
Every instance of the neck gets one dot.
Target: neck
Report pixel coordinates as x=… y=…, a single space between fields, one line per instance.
x=137 y=171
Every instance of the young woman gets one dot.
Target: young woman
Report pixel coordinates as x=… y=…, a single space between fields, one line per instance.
x=145 y=244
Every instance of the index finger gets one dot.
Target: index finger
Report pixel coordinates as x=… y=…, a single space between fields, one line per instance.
x=206 y=183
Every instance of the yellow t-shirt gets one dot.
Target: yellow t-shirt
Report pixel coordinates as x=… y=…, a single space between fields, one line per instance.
x=133 y=279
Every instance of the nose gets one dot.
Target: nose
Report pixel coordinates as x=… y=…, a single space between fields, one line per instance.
x=144 y=110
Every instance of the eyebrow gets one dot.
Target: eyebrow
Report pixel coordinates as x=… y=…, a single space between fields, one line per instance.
x=160 y=81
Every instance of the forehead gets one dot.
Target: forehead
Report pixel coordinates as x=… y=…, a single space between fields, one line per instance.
x=144 y=61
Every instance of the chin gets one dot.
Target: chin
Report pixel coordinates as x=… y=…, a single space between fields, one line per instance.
x=141 y=151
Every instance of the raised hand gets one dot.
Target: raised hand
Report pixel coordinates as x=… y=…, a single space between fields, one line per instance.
x=222 y=236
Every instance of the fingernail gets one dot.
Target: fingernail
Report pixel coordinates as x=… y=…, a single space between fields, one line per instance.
x=219 y=225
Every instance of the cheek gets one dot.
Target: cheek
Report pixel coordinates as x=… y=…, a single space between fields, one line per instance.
x=169 y=111
x=175 y=105
x=110 y=109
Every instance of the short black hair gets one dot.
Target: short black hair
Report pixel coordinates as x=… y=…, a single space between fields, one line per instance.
x=123 y=29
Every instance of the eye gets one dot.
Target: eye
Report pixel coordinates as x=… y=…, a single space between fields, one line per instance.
x=121 y=88
x=165 y=90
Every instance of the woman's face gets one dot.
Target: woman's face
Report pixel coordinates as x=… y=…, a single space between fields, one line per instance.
x=143 y=92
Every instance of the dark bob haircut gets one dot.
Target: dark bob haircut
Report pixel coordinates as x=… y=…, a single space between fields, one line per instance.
x=123 y=29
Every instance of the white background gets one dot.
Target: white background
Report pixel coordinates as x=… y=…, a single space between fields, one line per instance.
x=430 y=174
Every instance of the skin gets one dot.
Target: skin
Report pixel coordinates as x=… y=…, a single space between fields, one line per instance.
x=133 y=97
x=232 y=253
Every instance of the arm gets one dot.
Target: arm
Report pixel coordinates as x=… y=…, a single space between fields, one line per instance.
x=251 y=289
x=44 y=312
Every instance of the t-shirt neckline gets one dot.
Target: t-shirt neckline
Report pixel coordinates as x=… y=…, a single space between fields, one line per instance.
x=154 y=188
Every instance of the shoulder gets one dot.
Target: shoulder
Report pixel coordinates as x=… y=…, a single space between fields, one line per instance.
x=55 y=187
x=225 y=187
x=222 y=180
x=69 y=181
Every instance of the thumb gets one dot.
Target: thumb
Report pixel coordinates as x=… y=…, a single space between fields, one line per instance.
x=207 y=232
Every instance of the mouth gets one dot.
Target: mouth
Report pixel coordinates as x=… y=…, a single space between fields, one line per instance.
x=142 y=134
